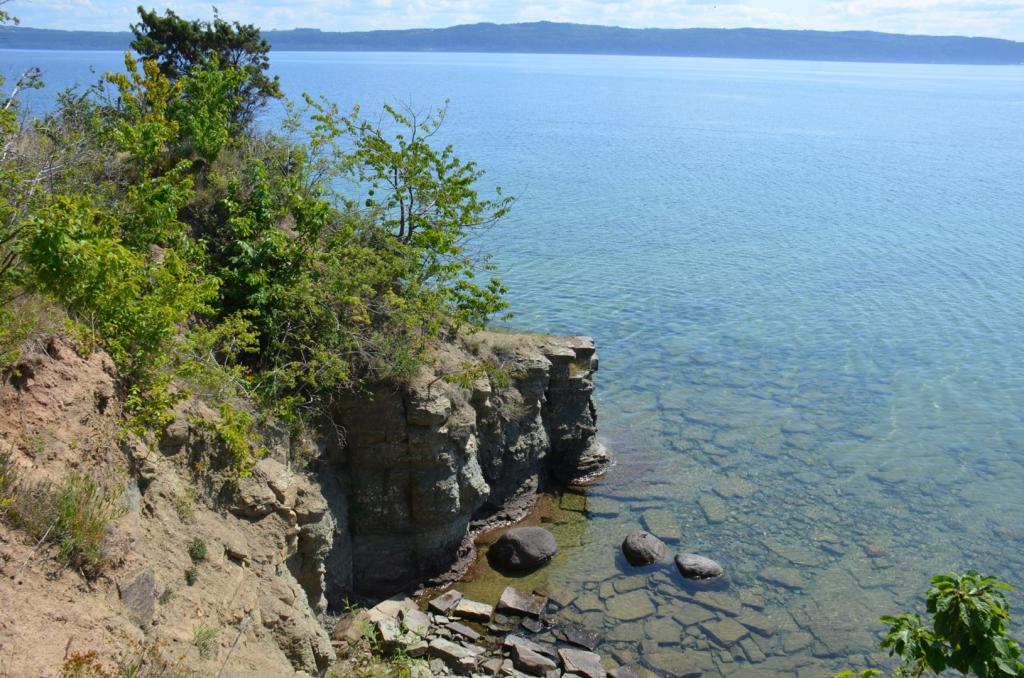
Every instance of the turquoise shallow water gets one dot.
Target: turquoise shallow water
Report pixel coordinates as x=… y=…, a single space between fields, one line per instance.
x=805 y=281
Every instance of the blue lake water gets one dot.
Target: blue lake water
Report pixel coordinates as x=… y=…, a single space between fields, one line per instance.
x=806 y=284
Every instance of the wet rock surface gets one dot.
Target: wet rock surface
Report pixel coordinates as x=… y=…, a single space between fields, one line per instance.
x=643 y=548
x=523 y=548
x=693 y=566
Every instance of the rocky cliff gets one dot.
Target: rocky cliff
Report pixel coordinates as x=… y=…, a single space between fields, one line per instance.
x=400 y=478
x=415 y=470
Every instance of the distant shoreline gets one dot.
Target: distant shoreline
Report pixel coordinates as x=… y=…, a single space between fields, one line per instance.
x=556 y=38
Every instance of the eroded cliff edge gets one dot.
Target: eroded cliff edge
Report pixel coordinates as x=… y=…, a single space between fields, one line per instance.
x=383 y=497
x=415 y=469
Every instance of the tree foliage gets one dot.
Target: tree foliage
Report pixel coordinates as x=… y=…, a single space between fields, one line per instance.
x=212 y=259
x=181 y=45
x=969 y=630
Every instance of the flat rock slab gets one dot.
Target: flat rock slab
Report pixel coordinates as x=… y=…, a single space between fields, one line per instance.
x=786 y=577
x=719 y=602
x=663 y=524
x=445 y=602
x=726 y=631
x=732 y=487
x=529 y=661
x=459 y=657
x=630 y=606
x=680 y=664
x=139 y=597
x=463 y=630
x=688 y=614
x=514 y=601
x=576 y=634
x=582 y=663
x=757 y=622
x=470 y=609
x=715 y=510
x=416 y=621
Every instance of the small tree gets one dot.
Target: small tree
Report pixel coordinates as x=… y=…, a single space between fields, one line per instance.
x=427 y=197
x=969 y=631
x=179 y=46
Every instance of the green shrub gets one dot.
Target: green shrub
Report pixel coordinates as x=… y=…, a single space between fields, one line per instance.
x=969 y=631
x=204 y=639
x=74 y=515
x=191 y=575
x=197 y=550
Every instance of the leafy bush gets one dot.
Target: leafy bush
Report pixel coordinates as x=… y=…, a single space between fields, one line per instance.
x=197 y=550
x=969 y=631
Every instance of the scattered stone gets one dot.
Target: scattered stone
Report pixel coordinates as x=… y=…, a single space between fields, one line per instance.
x=786 y=577
x=523 y=548
x=530 y=661
x=627 y=584
x=416 y=621
x=752 y=598
x=681 y=664
x=719 y=602
x=662 y=522
x=445 y=601
x=529 y=656
x=796 y=641
x=532 y=625
x=757 y=622
x=643 y=548
x=458 y=657
x=603 y=506
x=874 y=551
x=558 y=595
x=514 y=601
x=753 y=652
x=389 y=632
x=390 y=608
x=732 y=487
x=576 y=634
x=714 y=508
x=630 y=606
x=582 y=663
x=139 y=597
x=470 y=609
x=463 y=630
x=693 y=566
x=725 y=631
x=688 y=614
x=492 y=666
x=417 y=648
x=623 y=672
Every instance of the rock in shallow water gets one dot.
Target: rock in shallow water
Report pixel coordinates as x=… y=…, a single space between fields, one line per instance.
x=523 y=548
x=514 y=601
x=643 y=548
x=693 y=566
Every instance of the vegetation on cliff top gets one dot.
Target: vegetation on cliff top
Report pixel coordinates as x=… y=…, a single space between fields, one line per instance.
x=211 y=257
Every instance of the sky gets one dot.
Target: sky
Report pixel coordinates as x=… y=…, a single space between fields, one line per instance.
x=994 y=18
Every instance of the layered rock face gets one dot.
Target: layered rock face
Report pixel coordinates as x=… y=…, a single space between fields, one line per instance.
x=472 y=439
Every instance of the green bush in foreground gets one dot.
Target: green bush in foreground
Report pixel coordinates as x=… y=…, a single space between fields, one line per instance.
x=969 y=631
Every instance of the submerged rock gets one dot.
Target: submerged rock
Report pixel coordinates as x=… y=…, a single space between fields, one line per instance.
x=582 y=663
x=643 y=548
x=514 y=601
x=693 y=566
x=523 y=548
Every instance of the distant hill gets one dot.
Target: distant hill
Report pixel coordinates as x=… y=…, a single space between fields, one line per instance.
x=558 y=38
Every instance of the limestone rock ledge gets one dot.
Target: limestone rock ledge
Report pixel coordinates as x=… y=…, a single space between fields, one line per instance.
x=470 y=441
